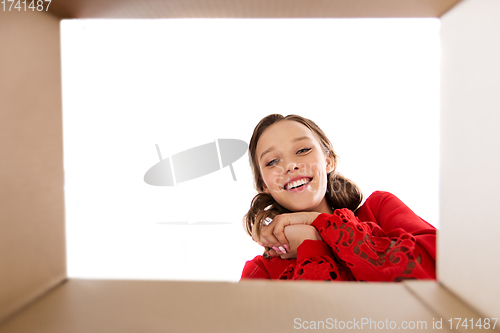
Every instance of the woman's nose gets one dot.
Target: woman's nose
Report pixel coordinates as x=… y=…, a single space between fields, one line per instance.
x=291 y=166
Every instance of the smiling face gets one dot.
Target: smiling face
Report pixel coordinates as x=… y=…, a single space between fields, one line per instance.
x=294 y=166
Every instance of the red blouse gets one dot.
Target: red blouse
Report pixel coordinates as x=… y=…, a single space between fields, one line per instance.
x=383 y=241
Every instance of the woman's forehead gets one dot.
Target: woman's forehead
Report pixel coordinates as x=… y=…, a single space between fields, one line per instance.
x=283 y=132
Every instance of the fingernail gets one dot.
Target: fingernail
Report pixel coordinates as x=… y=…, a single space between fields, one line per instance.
x=276 y=249
x=282 y=249
x=287 y=248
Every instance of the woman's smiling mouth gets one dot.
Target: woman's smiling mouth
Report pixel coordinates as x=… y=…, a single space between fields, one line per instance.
x=297 y=183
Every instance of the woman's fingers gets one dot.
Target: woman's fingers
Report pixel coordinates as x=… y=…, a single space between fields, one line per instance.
x=281 y=222
x=276 y=237
x=273 y=235
x=272 y=253
x=272 y=242
x=284 y=220
x=266 y=237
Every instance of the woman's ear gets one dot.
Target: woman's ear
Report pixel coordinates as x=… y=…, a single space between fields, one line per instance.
x=330 y=165
x=264 y=187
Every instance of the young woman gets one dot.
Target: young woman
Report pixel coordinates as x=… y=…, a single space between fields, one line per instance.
x=307 y=215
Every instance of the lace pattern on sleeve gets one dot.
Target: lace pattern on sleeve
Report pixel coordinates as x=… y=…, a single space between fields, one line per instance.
x=370 y=254
x=317 y=268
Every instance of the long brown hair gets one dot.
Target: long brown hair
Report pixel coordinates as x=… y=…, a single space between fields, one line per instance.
x=341 y=192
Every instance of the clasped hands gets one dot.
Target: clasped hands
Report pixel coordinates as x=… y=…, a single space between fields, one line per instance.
x=287 y=231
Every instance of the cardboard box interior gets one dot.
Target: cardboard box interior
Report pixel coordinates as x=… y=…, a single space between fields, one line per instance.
x=35 y=291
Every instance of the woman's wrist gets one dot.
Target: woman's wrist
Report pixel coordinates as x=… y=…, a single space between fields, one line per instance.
x=312 y=217
x=312 y=234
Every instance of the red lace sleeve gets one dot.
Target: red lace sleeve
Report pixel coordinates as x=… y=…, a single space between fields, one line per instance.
x=394 y=217
x=315 y=261
x=369 y=253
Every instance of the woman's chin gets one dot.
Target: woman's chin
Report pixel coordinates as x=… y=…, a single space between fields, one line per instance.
x=312 y=205
x=301 y=207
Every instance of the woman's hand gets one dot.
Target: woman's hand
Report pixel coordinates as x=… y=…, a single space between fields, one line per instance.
x=273 y=235
x=296 y=234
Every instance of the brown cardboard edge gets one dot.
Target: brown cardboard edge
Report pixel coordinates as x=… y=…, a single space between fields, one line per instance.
x=89 y=305
x=252 y=9
x=443 y=302
x=32 y=240
x=32 y=300
x=416 y=288
x=449 y=7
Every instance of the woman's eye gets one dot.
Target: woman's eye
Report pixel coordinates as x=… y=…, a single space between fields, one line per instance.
x=272 y=162
x=304 y=150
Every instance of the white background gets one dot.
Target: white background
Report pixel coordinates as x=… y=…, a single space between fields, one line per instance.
x=372 y=85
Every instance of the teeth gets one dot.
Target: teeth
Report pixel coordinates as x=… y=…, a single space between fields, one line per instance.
x=297 y=183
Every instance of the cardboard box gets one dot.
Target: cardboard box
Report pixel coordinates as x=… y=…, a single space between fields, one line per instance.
x=37 y=296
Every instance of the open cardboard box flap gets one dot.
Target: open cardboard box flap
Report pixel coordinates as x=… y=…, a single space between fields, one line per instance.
x=35 y=293
x=249 y=306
